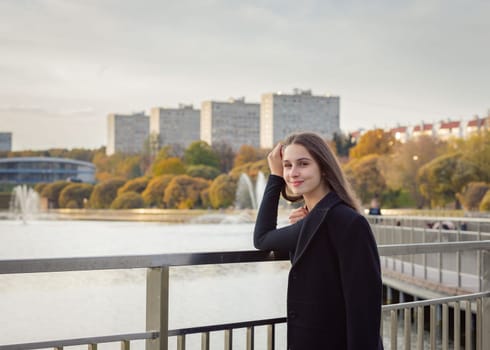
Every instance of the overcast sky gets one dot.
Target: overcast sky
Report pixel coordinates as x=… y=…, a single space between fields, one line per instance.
x=66 y=64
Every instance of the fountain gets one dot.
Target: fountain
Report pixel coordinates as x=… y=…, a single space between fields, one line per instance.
x=25 y=203
x=248 y=196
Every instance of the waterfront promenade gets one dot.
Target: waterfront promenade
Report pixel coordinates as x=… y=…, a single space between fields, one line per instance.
x=436 y=281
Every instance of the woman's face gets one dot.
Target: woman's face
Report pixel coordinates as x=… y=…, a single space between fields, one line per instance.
x=301 y=172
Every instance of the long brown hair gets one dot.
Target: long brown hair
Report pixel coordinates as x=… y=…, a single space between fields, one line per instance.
x=329 y=167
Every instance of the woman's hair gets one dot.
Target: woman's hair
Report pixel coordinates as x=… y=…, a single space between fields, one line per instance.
x=329 y=167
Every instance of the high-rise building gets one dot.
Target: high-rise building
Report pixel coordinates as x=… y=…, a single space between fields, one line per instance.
x=127 y=133
x=5 y=141
x=175 y=125
x=235 y=122
x=283 y=114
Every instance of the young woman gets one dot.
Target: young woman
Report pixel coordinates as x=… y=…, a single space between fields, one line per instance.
x=334 y=286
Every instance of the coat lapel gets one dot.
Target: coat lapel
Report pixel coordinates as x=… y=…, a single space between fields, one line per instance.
x=312 y=223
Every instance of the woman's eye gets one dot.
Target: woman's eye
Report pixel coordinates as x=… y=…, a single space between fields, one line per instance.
x=287 y=165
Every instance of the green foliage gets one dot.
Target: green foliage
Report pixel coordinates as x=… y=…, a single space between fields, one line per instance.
x=52 y=192
x=137 y=185
x=473 y=195
x=184 y=192
x=476 y=151
x=485 y=202
x=222 y=191
x=75 y=195
x=203 y=171
x=168 y=166
x=365 y=176
x=373 y=142
x=128 y=200
x=199 y=152
x=153 y=194
x=119 y=165
x=104 y=193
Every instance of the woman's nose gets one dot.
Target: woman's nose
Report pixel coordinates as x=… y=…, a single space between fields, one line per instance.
x=294 y=171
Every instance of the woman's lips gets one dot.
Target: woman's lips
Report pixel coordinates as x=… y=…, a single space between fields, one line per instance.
x=296 y=183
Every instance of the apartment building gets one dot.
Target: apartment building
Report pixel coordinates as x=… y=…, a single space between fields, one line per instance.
x=234 y=122
x=175 y=125
x=127 y=133
x=5 y=141
x=282 y=114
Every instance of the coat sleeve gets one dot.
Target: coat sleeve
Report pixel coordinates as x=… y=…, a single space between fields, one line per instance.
x=266 y=234
x=360 y=275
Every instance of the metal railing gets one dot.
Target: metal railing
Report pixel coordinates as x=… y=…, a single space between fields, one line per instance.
x=157 y=301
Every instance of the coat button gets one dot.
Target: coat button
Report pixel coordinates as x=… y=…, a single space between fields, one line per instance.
x=292 y=314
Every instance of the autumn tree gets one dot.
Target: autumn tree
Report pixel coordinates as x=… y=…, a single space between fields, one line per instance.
x=343 y=144
x=137 y=185
x=128 y=200
x=153 y=194
x=200 y=153
x=75 y=195
x=203 y=171
x=247 y=154
x=52 y=192
x=365 y=176
x=105 y=192
x=374 y=141
x=184 y=192
x=473 y=195
x=485 y=202
x=401 y=167
x=171 y=165
x=222 y=191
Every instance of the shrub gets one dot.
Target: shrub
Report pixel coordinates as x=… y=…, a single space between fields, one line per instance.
x=128 y=200
x=184 y=192
x=153 y=194
x=137 y=185
x=75 y=195
x=105 y=192
x=52 y=192
x=172 y=166
x=222 y=191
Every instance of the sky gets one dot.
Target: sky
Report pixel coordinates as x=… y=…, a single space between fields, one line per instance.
x=66 y=64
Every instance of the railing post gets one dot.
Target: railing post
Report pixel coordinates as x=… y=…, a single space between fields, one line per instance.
x=157 y=307
x=485 y=283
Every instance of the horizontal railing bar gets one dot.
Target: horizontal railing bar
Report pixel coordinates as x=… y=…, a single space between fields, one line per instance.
x=425 y=248
x=205 y=258
x=222 y=327
x=135 y=261
x=436 y=301
x=81 y=341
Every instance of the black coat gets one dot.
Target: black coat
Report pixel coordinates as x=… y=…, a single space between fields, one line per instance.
x=334 y=287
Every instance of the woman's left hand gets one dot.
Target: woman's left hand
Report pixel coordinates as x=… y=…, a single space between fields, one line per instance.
x=297 y=214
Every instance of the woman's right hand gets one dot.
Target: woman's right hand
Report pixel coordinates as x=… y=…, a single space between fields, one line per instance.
x=275 y=160
x=297 y=214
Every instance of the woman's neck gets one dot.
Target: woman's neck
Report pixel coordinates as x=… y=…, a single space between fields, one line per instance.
x=312 y=199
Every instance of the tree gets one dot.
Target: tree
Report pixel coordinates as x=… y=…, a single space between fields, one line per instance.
x=400 y=168
x=184 y=192
x=172 y=165
x=153 y=194
x=137 y=185
x=473 y=195
x=343 y=144
x=373 y=142
x=365 y=176
x=246 y=154
x=52 y=192
x=443 y=177
x=105 y=192
x=75 y=195
x=203 y=171
x=128 y=200
x=222 y=191
x=199 y=152
x=485 y=202
x=476 y=150
x=225 y=154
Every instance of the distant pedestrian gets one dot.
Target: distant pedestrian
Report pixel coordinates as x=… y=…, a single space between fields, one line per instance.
x=374 y=207
x=335 y=287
